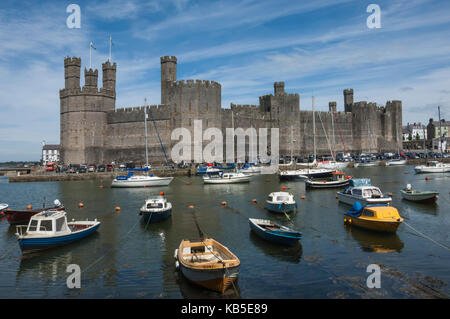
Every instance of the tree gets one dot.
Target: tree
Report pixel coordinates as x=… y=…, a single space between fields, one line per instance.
x=410 y=137
x=417 y=137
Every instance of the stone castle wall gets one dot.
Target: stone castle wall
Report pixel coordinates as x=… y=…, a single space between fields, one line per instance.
x=94 y=131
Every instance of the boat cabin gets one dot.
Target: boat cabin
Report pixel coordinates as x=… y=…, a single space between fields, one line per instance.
x=281 y=197
x=156 y=202
x=48 y=222
x=364 y=191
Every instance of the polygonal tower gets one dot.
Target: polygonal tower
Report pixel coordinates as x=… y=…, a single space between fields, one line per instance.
x=168 y=74
x=348 y=100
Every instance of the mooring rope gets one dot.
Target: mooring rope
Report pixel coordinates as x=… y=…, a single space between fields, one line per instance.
x=427 y=237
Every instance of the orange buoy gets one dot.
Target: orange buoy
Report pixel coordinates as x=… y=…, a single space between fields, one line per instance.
x=29 y=207
x=80 y=205
x=191 y=206
x=254 y=200
x=223 y=203
x=427 y=178
x=267 y=180
x=405 y=173
x=188 y=183
x=303 y=197
x=283 y=188
x=101 y=186
x=117 y=208
x=161 y=193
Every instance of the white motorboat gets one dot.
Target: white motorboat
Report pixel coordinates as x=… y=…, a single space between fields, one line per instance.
x=3 y=206
x=250 y=170
x=433 y=167
x=396 y=162
x=226 y=178
x=367 y=164
x=50 y=228
x=132 y=180
x=419 y=196
x=155 y=209
x=281 y=202
x=360 y=190
x=305 y=173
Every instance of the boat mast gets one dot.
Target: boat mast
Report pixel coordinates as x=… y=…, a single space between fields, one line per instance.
x=146 y=138
x=314 y=130
x=440 y=129
x=334 y=136
x=292 y=145
x=368 y=135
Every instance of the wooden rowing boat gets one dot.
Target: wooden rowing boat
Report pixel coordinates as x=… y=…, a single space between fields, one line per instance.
x=208 y=263
x=273 y=232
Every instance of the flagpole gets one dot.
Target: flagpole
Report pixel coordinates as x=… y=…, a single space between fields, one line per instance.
x=110 y=42
x=90 y=55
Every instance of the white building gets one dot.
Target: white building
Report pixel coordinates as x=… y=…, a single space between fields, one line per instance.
x=50 y=153
x=416 y=129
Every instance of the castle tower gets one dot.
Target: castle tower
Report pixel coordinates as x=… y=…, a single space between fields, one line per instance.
x=278 y=88
x=90 y=79
x=109 y=76
x=72 y=72
x=168 y=74
x=348 y=100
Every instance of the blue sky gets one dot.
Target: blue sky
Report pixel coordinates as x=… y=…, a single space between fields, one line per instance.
x=317 y=47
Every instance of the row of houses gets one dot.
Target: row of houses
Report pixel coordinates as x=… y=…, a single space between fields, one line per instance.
x=435 y=134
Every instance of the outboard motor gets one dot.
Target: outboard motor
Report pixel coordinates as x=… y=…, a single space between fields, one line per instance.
x=408 y=187
x=57 y=203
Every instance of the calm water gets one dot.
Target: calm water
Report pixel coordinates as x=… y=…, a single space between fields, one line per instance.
x=124 y=259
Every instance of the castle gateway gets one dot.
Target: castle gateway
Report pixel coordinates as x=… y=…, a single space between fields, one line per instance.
x=94 y=131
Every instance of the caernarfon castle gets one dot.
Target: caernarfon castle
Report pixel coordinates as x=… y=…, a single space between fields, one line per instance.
x=93 y=130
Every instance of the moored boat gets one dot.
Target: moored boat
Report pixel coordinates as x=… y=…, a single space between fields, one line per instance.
x=155 y=209
x=305 y=173
x=338 y=179
x=419 y=196
x=15 y=217
x=208 y=263
x=132 y=180
x=396 y=162
x=207 y=170
x=361 y=190
x=273 y=232
x=281 y=202
x=3 y=206
x=381 y=218
x=332 y=165
x=50 y=229
x=433 y=167
x=226 y=178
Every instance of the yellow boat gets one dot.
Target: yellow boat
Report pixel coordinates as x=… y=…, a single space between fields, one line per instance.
x=381 y=218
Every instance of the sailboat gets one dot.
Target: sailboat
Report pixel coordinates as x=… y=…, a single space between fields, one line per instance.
x=307 y=172
x=132 y=180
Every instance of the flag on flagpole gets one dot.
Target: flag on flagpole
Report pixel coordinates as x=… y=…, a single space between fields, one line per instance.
x=92 y=45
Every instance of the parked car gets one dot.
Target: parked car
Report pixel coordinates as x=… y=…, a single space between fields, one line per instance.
x=92 y=168
x=101 y=168
x=83 y=169
x=109 y=168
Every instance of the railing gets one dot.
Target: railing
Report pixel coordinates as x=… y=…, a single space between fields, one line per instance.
x=21 y=232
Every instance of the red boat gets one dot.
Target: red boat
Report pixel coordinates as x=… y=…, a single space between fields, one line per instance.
x=15 y=217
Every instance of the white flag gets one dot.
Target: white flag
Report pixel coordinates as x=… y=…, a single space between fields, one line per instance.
x=92 y=45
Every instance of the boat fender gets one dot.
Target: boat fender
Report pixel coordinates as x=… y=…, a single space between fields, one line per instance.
x=29 y=207
x=117 y=208
x=177 y=265
x=175 y=254
x=357 y=206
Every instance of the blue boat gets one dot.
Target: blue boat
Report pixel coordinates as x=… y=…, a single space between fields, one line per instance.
x=281 y=202
x=50 y=229
x=274 y=232
x=156 y=209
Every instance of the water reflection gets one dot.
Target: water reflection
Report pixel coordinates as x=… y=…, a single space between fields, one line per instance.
x=291 y=254
x=375 y=242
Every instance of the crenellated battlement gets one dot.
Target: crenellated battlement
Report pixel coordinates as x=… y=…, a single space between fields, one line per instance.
x=167 y=58
x=136 y=113
x=72 y=61
x=244 y=107
x=193 y=83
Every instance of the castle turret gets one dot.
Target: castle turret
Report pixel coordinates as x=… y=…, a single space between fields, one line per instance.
x=109 y=76
x=278 y=88
x=168 y=74
x=90 y=79
x=72 y=72
x=348 y=100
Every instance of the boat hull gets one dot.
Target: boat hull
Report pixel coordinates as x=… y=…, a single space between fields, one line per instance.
x=215 y=279
x=380 y=226
x=156 y=217
x=350 y=200
x=280 y=208
x=327 y=184
x=16 y=217
x=424 y=197
x=244 y=179
x=289 y=238
x=396 y=163
x=162 y=181
x=37 y=244
x=430 y=170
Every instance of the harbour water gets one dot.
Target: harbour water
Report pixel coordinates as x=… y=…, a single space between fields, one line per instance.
x=128 y=259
